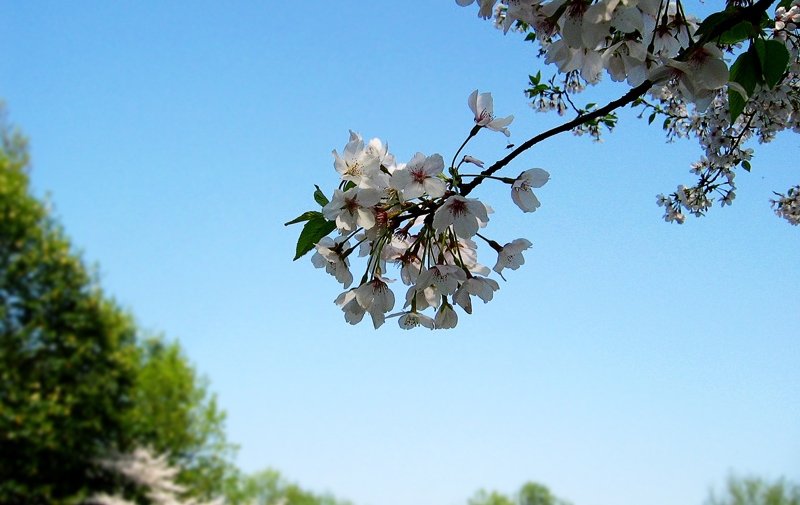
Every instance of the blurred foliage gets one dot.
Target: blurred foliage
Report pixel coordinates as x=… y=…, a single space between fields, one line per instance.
x=75 y=385
x=756 y=491
x=530 y=493
x=67 y=354
x=173 y=413
x=268 y=487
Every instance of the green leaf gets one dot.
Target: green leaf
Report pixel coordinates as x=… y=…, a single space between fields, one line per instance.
x=349 y=185
x=315 y=229
x=738 y=33
x=786 y=4
x=712 y=22
x=320 y=197
x=774 y=61
x=746 y=165
x=761 y=50
x=746 y=71
x=305 y=216
x=651 y=118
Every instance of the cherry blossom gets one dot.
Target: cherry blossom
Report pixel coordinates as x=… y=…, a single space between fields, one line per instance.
x=419 y=177
x=328 y=255
x=421 y=219
x=521 y=191
x=352 y=208
x=483 y=107
x=465 y=215
x=510 y=255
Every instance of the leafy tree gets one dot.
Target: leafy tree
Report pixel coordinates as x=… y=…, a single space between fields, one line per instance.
x=76 y=388
x=268 y=487
x=531 y=493
x=756 y=491
x=174 y=414
x=67 y=353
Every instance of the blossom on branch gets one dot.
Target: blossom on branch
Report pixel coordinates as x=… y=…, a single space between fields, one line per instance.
x=483 y=107
x=521 y=191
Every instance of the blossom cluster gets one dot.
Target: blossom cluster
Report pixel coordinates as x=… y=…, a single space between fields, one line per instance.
x=144 y=470
x=417 y=217
x=656 y=42
x=787 y=205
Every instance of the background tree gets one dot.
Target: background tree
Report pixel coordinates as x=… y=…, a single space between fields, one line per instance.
x=76 y=387
x=173 y=413
x=268 y=487
x=756 y=491
x=67 y=354
x=531 y=493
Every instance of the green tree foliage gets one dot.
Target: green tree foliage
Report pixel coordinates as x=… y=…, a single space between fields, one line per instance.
x=756 y=491
x=67 y=354
x=75 y=385
x=530 y=493
x=174 y=414
x=268 y=487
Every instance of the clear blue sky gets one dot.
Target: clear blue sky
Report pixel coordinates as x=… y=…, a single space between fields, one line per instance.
x=628 y=362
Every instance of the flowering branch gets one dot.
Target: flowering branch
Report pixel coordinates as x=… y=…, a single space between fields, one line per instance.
x=624 y=100
x=415 y=216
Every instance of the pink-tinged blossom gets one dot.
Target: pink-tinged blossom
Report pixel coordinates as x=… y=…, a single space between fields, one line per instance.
x=474 y=161
x=360 y=166
x=420 y=176
x=510 y=256
x=421 y=298
x=353 y=311
x=445 y=278
x=521 y=191
x=352 y=208
x=486 y=6
x=465 y=252
x=330 y=257
x=483 y=107
x=413 y=319
x=481 y=287
x=376 y=298
x=466 y=215
x=446 y=317
x=699 y=77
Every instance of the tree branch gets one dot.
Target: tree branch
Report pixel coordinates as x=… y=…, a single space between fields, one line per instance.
x=624 y=100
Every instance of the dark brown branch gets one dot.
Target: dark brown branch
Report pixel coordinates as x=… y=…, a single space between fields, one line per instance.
x=627 y=98
x=752 y=14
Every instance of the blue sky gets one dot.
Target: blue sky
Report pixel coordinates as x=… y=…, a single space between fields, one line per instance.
x=628 y=361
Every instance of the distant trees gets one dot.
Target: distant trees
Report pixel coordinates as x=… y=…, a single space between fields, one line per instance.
x=77 y=383
x=756 y=491
x=174 y=414
x=68 y=359
x=268 y=487
x=531 y=493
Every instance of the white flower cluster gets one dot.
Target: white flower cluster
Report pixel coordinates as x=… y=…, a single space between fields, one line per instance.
x=768 y=112
x=151 y=473
x=655 y=41
x=788 y=205
x=632 y=40
x=414 y=216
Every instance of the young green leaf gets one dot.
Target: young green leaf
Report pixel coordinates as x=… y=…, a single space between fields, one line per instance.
x=712 y=22
x=320 y=197
x=774 y=61
x=738 y=33
x=305 y=216
x=315 y=229
x=746 y=71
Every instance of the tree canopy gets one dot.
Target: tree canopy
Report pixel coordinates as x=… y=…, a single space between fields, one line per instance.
x=67 y=353
x=77 y=381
